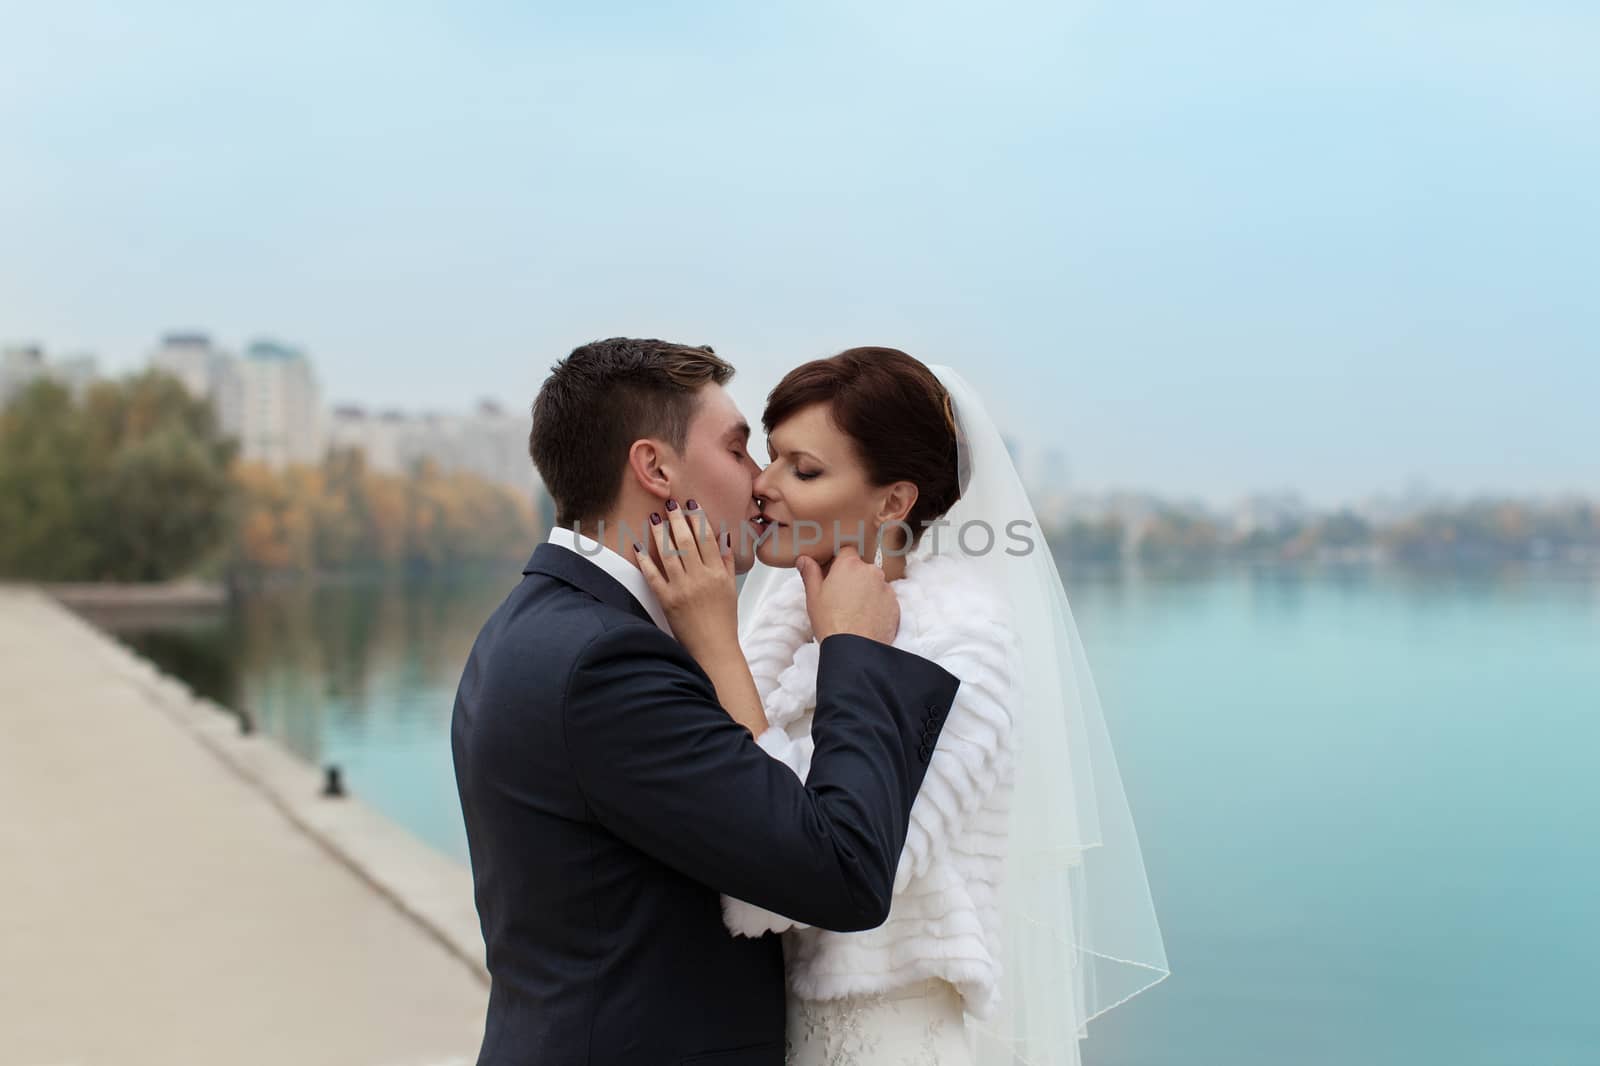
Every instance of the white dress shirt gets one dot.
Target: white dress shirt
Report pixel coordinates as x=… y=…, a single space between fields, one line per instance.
x=628 y=576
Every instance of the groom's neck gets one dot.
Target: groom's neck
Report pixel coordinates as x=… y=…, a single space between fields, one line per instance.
x=621 y=530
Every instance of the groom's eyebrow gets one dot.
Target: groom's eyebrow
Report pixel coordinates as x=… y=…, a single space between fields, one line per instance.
x=740 y=432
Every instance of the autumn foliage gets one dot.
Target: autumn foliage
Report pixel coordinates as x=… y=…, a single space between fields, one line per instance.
x=341 y=515
x=133 y=481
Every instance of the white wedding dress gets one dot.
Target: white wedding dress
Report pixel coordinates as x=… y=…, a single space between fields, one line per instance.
x=900 y=993
x=1021 y=910
x=919 y=1025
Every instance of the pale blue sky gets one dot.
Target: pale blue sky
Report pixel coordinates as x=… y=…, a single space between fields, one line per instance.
x=1200 y=249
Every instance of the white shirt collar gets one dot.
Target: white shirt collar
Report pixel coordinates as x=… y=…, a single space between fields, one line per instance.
x=628 y=576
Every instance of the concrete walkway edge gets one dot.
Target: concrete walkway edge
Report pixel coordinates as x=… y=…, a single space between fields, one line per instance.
x=427 y=887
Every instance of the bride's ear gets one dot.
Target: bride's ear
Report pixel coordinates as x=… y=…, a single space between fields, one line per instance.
x=898 y=499
x=645 y=459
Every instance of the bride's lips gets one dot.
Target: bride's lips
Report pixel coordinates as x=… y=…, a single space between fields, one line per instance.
x=763 y=521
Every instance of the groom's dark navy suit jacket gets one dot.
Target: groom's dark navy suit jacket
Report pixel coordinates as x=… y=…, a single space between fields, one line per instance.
x=609 y=799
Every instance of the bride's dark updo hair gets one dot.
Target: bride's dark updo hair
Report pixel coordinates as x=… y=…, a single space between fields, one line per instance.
x=896 y=412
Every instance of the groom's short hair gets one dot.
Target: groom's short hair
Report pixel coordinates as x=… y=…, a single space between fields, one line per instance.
x=599 y=400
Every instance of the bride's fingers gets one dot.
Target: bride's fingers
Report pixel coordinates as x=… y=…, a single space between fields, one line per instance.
x=709 y=543
x=671 y=557
x=652 y=574
x=683 y=536
x=725 y=547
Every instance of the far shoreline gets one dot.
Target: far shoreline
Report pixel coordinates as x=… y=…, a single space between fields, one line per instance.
x=119 y=604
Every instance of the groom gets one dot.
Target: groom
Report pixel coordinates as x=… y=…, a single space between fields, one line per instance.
x=609 y=800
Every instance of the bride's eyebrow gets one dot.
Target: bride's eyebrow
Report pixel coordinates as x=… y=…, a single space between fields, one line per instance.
x=773 y=452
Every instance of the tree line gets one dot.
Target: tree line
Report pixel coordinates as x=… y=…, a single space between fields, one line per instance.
x=1478 y=532
x=134 y=481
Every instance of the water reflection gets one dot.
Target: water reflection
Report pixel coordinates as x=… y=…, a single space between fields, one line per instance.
x=359 y=672
x=1335 y=774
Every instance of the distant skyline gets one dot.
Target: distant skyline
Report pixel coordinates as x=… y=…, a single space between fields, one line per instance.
x=1201 y=251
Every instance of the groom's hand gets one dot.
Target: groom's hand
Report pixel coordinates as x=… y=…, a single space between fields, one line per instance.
x=852 y=597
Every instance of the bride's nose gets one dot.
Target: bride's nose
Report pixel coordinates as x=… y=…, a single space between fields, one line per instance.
x=762 y=488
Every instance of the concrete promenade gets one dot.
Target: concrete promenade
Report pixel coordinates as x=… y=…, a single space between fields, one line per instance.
x=172 y=892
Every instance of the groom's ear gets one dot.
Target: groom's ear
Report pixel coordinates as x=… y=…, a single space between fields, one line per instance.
x=897 y=502
x=647 y=461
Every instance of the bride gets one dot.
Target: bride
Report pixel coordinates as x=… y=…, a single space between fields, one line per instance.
x=1020 y=909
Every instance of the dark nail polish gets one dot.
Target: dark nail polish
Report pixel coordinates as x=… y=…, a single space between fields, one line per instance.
x=655 y=519
x=639 y=548
x=691 y=505
x=672 y=505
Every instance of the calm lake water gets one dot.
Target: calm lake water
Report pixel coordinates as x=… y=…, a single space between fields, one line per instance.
x=1368 y=800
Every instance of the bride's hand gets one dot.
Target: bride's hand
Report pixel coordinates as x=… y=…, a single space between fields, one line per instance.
x=692 y=575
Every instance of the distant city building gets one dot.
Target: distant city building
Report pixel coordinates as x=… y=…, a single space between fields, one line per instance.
x=1049 y=470
x=23 y=364
x=193 y=360
x=1269 y=512
x=489 y=442
x=20 y=366
x=268 y=399
x=1130 y=508
x=1386 y=508
x=76 y=372
x=376 y=435
x=1045 y=477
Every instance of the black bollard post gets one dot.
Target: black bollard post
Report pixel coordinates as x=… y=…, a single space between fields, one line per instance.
x=333 y=785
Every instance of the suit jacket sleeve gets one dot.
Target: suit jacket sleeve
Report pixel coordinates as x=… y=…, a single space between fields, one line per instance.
x=664 y=767
x=978 y=648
